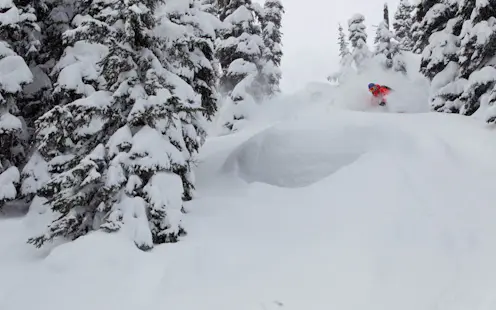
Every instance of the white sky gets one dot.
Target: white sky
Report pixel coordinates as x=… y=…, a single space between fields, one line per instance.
x=310 y=35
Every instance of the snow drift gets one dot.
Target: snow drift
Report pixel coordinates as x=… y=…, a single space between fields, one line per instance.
x=299 y=153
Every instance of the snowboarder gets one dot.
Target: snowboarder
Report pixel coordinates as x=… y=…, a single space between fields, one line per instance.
x=379 y=92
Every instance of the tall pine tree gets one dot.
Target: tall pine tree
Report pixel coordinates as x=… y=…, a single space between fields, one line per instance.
x=345 y=58
x=387 y=48
x=343 y=44
x=239 y=50
x=402 y=25
x=272 y=55
x=123 y=159
x=383 y=44
x=383 y=37
x=386 y=15
x=358 y=39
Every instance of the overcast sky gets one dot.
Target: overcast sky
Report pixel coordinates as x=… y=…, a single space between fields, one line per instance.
x=310 y=35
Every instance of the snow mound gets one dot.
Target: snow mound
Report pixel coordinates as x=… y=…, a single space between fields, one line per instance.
x=296 y=154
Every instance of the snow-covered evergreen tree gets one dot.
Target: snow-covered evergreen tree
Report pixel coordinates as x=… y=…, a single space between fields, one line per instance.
x=19 y=27
x=272 y=37
x=258 y=11
x=192 y=51
x=240 y=51
x=440 y=42
x=54 y=18
x=383 y=42
x=441 y=54
x=386 y=15
x=121 y=151
x=358 y=39
x=15 y=48
x=431 y=16
x=460 y=60
x=345 y=57
x=343 y=44
x=210 y=6
x=402 y=25
x=377 y=36
x=380 y=35
x=387 y=49
x=240 y=40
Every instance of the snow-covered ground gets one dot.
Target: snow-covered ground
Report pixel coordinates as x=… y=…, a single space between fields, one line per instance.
x=311 y=207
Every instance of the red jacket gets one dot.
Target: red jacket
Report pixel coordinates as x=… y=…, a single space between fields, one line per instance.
x=381 y=91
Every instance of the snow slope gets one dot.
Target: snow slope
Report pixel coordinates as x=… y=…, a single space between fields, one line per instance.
x=320 y=208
